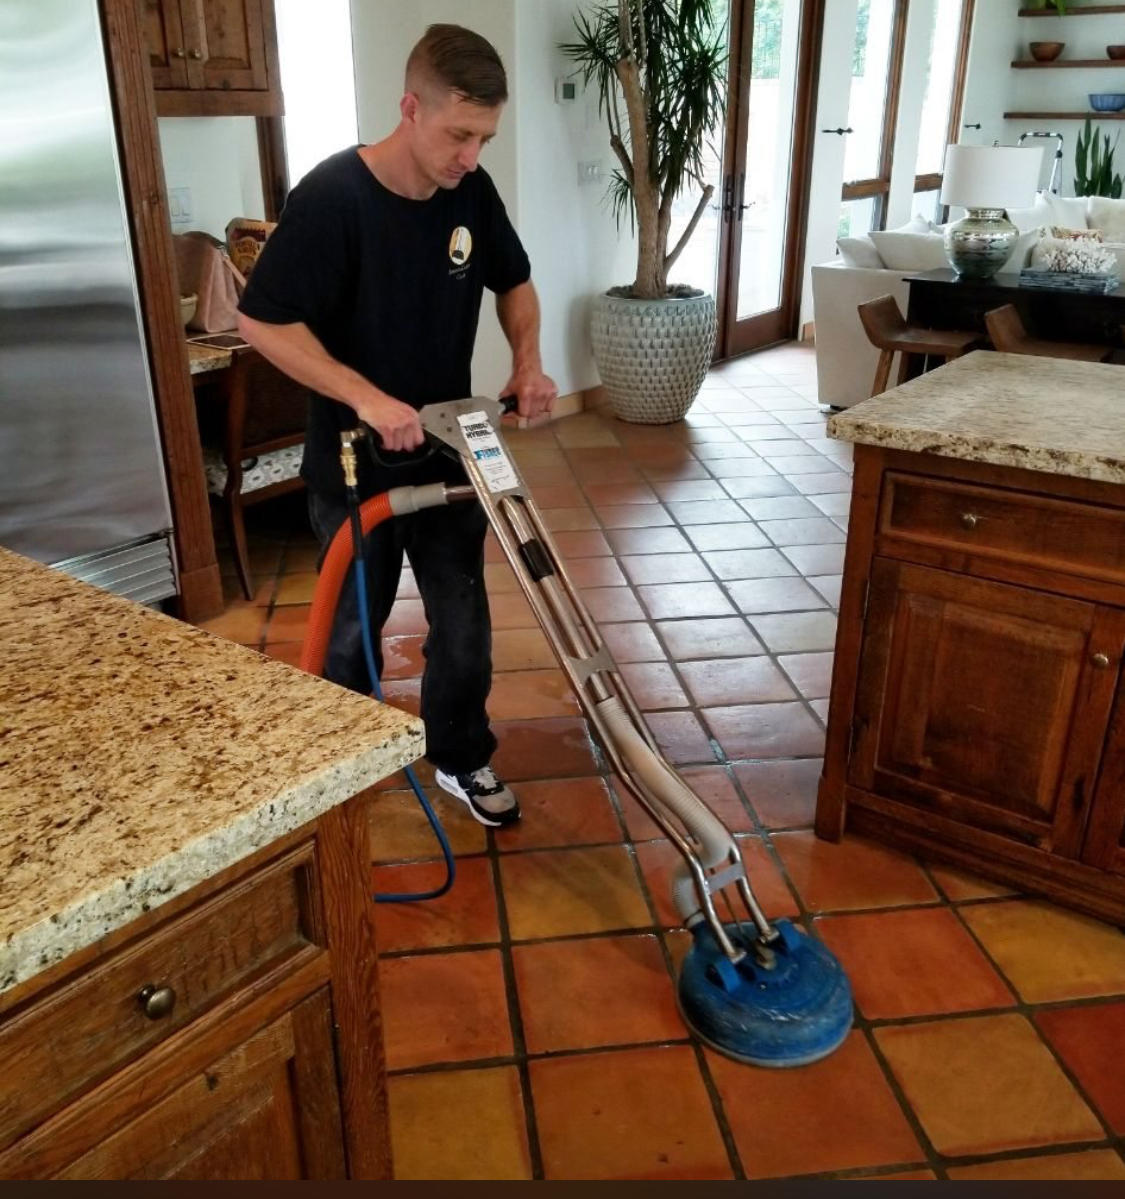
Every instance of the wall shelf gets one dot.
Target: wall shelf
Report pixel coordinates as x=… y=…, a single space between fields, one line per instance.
x=1064 y=116
x=1083 y=10
x=1074 y=64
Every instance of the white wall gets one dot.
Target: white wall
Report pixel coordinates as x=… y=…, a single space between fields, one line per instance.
x=217 y=158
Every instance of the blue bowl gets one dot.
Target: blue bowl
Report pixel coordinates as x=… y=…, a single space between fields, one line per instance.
x=1107 y=101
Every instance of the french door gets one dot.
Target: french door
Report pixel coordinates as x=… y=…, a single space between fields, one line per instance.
x=749 y=251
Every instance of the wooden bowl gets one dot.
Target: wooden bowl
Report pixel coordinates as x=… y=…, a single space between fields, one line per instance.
x=1046 y=51
x=1115 y=51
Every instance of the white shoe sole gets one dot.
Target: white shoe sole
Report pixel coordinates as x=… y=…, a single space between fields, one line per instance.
x=449 y=784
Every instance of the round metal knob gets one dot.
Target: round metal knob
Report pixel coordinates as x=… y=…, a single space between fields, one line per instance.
x=196 y=53
x=1100 y=661
x=969 y=520
x=157 y=1002
x=178 y=52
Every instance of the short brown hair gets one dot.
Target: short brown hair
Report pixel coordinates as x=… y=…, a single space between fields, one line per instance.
x=460 y=61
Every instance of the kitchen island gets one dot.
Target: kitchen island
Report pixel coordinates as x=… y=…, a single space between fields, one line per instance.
x=977 y=713
x=187 y=957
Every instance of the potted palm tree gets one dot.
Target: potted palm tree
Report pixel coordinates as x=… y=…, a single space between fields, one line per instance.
x=659 y=67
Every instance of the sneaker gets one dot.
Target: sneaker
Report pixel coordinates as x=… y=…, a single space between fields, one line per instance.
x=489 y=800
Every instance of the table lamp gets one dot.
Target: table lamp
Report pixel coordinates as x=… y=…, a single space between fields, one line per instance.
x=987 y=180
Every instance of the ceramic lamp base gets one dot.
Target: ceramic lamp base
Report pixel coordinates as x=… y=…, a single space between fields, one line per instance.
x=979 y=245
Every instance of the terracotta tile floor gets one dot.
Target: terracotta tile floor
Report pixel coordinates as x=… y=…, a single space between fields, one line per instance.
x=530 y=1016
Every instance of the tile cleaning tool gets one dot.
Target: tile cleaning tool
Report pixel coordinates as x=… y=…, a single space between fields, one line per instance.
x=762 y=993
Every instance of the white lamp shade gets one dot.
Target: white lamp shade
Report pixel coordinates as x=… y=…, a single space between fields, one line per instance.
x=991 y=176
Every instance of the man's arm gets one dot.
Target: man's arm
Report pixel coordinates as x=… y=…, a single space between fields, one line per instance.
x=295 y=350
x=518 y=310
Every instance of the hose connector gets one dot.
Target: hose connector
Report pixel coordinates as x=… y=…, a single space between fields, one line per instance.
x=348 y=438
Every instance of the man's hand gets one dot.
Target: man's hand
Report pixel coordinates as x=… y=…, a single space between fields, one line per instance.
x=396 y=423
x=535 y=391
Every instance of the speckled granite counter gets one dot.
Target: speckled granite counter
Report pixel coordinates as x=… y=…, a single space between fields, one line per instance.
x=140 y=756
x=1043 y=414
x=202 y=359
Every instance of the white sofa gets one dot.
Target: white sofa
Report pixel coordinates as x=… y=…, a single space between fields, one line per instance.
x=879 y=264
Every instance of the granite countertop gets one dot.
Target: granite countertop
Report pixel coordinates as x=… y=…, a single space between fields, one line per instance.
x=202 y=359
x=139 y=756
x=1044 y=414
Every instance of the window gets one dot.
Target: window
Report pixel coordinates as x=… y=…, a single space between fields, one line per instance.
x=945 y=86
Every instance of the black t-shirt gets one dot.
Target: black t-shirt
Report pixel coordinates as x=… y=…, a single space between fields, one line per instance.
x=391 y=287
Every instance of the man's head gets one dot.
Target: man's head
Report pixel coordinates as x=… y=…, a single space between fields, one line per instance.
x=456 y=88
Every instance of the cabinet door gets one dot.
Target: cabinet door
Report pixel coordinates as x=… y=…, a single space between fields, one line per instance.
x=268 y=1109
x=1105 y=842
x=983 y=703
x=164 y=36
x=227 y=44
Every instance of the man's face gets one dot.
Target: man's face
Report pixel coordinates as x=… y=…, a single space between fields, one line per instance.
x=448 y=134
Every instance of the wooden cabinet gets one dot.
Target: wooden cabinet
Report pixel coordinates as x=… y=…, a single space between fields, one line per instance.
x=213 y=57
x=978 y=702
x=233 y=1033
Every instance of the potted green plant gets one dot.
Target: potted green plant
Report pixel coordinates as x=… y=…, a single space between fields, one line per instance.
x=1058 y=5
x=659 y=67
x=1093 y=164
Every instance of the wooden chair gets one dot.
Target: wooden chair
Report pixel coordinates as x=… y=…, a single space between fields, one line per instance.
x=262 y=433
x=888 y=331
x=1007 y=333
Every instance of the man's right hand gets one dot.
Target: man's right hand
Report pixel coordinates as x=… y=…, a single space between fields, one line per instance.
x=396 y=423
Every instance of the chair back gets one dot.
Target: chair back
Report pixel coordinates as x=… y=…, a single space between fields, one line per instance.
x=882 y=321
x=1006 y=331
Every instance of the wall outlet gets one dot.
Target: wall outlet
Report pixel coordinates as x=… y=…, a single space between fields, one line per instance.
x=589 y=172
x=179 y=205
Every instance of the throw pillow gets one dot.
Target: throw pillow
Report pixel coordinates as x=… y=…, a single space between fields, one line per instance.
x=1108 y=216
x=903 y=251
x=1026 y=219
x=1067 y=211
x=1061 y=234
x=1021 y=252
x=859 y=251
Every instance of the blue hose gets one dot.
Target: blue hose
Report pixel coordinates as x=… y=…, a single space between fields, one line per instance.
x=373 y=671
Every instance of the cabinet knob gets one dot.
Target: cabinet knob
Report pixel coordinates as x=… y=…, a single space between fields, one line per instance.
x=1100 y=661
x=178 y=52
x=195 y=53
x=156 y=1002
x=969 y=520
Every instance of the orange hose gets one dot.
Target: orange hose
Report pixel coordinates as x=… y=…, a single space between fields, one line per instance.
x=329 y=583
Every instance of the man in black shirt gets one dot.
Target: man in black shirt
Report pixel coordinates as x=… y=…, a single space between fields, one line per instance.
x=369 y=292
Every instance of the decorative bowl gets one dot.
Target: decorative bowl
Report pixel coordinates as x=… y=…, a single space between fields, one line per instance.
x=1107 y=101
x=187 y=307
x=1115 y=51
x=1046 y=51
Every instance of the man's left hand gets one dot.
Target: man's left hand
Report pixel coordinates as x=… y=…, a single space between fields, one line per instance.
x=535 y=391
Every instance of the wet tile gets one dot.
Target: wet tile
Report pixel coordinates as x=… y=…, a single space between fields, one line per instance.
x=400 y=832
x=818 y=531
x=783 y=793
x=738 y=535
x=783 y=730
x=667 y=601
x=635 y=1113
x=402 y=657
x=632 y=642
x=528 y=694
x=798 y=633
x=919 y=962
x=556 y=747
x=448 y=1007
x=1082 y=1037
x=837 y=1114
x=723 y=681
x=666 y=568
x=728 y=636
x=561 y=893
x=405 y=694
x=612 y=604
x=648 y=541
x=985 y=1084
x=1091 y=1166
x=749 y=564
x=958 y=885
x=660 y=861
x=654 y=685
x=851 y=874
x=521 y=649
x=711 y=783
x=634 y=516
x=812 y=673
x=1050 y=954
x=559 y=813
x=595 y=992
x=466 y=915
x=407 y=618
x=595 y=572
x=487 y=1140
x=681 y=737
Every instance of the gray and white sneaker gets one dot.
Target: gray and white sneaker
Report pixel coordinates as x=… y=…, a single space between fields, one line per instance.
x=489 y=800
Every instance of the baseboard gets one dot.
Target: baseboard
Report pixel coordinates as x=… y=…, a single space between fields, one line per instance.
x=567 y=405
x=808 y=332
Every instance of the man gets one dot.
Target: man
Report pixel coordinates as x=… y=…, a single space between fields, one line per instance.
x=369 y=292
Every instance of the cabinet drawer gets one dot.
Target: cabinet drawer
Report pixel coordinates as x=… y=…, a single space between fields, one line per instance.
x=72 y=1038
x=1019 y=526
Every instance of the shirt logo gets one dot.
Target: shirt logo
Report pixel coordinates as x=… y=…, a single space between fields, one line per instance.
x=461 y=246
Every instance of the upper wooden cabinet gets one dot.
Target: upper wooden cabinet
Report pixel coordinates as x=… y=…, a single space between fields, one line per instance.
x=213 y=57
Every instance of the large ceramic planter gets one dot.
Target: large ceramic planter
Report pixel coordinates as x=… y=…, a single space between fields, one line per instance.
x=653 y=355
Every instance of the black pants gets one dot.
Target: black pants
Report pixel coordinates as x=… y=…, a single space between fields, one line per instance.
x=445 y=547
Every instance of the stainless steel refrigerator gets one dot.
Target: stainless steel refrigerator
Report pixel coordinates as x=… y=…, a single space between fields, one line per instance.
x=81 y=475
